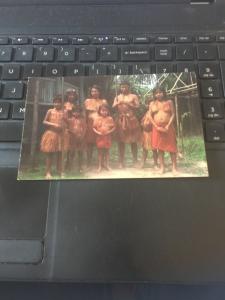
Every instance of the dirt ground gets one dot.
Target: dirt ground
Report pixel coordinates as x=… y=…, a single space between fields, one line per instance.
x=197 y=170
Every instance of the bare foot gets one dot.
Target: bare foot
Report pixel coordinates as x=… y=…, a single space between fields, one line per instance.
x=142 y=165
x=156 y=167
x=48 y=176
x=99 y=169
x=108 y=168
x=175 y=172
x=81 y=170
x=161 y=171
x=121 y=166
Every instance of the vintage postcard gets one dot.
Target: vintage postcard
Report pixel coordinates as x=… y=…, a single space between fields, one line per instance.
x=136 y=126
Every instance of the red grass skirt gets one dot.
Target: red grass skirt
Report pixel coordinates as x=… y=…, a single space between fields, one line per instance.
x=103 y=141
x=164 y=141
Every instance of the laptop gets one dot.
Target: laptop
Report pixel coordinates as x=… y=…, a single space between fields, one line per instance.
x=161 y=230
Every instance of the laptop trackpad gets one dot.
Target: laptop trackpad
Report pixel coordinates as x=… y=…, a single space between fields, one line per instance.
x=23 y=209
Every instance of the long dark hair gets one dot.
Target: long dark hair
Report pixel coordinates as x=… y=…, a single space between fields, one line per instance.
x=104 y=105
x=68 y=91
x=97 y=87
x=58 y=98
x=161 y=89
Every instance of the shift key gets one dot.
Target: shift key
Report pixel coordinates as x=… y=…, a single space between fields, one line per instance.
x=135 y=53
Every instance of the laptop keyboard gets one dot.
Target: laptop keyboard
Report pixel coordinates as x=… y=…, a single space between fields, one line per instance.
x=26 y=56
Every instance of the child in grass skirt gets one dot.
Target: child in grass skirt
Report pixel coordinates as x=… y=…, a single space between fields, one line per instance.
x=77 y=130
x=103 y=126
x=146 y=125
x=52 y=141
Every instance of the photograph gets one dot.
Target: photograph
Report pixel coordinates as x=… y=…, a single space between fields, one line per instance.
x=113 y=127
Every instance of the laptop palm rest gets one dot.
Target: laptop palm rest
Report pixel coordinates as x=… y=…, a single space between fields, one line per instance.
x=23 y=210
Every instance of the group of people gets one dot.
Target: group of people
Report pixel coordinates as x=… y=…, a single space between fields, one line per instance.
x=72 y=128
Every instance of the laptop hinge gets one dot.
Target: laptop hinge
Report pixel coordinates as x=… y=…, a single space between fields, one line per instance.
x=201 y=2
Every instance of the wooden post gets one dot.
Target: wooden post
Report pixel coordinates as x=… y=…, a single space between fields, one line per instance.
x=177 y=117
x=81 y=92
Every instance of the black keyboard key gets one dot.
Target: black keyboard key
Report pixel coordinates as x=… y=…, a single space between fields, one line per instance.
x=11 y=131
x=220 y=38
x=45 y=54
x=13 y=90
x=186 y=67
x=54 y=70
x=66 y=54
x=4 y=110
x=208 y=70
x=215 y=132
x=213 y=109
x=24 y=54
x=206 y=52
x=4 y=40
x=205 y=38
x=141 y=68
x=163 y=39
x=5 y=54
x=135 y=53
x=210 y=89
x=32 y=70
x=121 y=40
x=40 y=40
x=101 y=40
x=163 y=53
x=97 y=69
x=75 y=70
x=108 y=53
x=164 y=68
x=60 y=41
x=221 y=50
x=18 y=110
x=20 y=40
x=184 y=52
x=87 y=54
x=183 y=38
x=11 y=72
x=80 y=40
x=119 y=69
x=141 y=39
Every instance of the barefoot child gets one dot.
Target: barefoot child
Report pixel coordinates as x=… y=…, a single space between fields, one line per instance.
x=77 y=128
x=163 y=132
x=52 y=139
x=71 y=98
x=103 y=126
x=146 y=125
x=91 y=105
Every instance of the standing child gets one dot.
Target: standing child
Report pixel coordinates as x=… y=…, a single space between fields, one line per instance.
x=103 y=126
x=91 y=105
x=77 y=128
x=146 y=125
x=52 y=139
x=163 y=132
x=70 y=101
